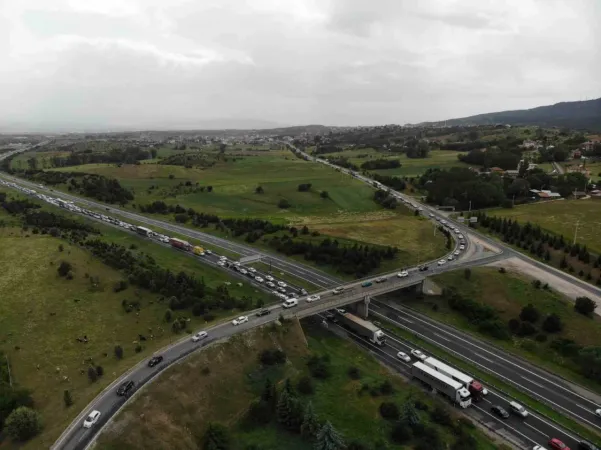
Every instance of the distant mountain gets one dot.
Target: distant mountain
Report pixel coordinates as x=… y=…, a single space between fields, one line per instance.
x=576 y=115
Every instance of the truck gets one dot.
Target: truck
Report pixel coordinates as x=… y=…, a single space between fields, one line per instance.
x=362 y=327
x=450 y=388
x=182 y=245
x=143 y=231
x=475 y=388
x=198 y=250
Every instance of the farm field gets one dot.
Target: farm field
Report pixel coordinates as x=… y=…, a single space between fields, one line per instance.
x=184 y=414
x=560 y=217
x=40 y=321
x=507 y=294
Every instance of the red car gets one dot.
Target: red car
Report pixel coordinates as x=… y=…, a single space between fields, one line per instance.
x=556 y=444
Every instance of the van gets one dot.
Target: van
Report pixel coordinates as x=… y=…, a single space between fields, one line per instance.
x=290 y=303
x=518 y=409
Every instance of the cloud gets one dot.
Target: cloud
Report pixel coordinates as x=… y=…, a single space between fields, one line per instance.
x=140 y=63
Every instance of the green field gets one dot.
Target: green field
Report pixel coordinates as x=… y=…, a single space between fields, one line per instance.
x=42 y=315
x=561 y=217
x=175 y=416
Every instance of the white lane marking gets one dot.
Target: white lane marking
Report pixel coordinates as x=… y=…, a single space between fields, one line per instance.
x=505 y=425
x=535 y=429
x=535 y=383
x=495 y=355
x=489 y=370
x=441 y=337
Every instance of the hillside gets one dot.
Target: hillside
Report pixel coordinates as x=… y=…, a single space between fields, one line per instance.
x=579 y=115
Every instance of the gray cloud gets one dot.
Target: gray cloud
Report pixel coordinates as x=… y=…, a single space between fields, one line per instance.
x=144 y=63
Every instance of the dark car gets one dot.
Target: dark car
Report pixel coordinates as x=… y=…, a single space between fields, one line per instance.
x=583 y=445
x=155 y=360
x=500 y=411
x=262 y=312
x=126 y=388
x=423 y=268
x=331 y=317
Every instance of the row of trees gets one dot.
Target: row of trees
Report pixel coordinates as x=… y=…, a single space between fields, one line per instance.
x=383 y=198
x=127 y=155
x=396 y=183
x=378 y=164
x=189 y=160
x=506 y=160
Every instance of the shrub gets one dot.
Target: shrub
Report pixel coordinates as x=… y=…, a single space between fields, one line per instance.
x=421 y=405
x=259 y=412
x=467 y=273
x=138 y=348
x=305 y=385
x=284 y=204
x=529 y=313
x=271 y=357
x=92 y=375
x=441 y=416
x=118 y=352
x=67 y=398
x=168 y=315
x=324 y=194
x=319 y=366
x=514 y=325
x=64 y=268
x=354 y=373
x=552 y=324
x=526 y=329
x=386 y=388
x=541 y=337
x=389 y=411
x=208 y=317
x=23 y=423
x=120 y=286
x=585 y=305
x=99 y=371
x=401 y=433
x=216 y=437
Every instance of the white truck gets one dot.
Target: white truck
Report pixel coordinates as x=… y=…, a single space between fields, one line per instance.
x=452 y=389
x=475 y=387
x=362 y=327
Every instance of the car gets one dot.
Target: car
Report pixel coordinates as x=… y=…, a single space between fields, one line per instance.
x=423 y=268
x=331 y=317
x=538 y=447
x=91 y=419
x=125 y=388
x=499 y=411
x=208 y=252
x=451 y=258
x=419 y=354
x=221 y=263
x=243 y=271
x=457 y=231
x=155 y=360
x=312 y=298
x=199 y=336
x=456 y=253
x=340 y=311
x=402 y=274
x=444 y=222
x=403 y=356
x=462 y=247
x=240 y=320
x=282 y=284
x=366 y=284
x=270 y=284
x=338 y=290
x=268 y=277
x=252 y=269
x=441 y=262
x=290 y=303
x=258 y=279
x=585 y=445
x=460 y=236
x=303 y=291
x=557 y=444
x=431 y=215
x=381 y=279
x=282 y=289
x=262 y=312
x=598 y=412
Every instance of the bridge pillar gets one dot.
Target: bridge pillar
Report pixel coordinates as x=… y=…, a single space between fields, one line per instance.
x=363 y=307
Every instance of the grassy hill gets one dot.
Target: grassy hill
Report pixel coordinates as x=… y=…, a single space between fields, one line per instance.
x=579 y=115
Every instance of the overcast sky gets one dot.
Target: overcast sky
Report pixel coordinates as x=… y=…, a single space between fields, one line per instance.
x=102 y=64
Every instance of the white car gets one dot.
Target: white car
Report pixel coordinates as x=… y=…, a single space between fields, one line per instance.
x=91 y=419
x=431 y=215
x=208 y=252
x=258 y=279
x=460 y=236
x=221 y=263
x=252 y=269
x=444 y=222
x=243 y=271
x=598 y=412
x=457 y=231
x=462 y=247
x=403 y=274
x=419 y=354
x=282 y=290
x=240 y=320
x=313 y=298
x=199 y=336
x=270 y=284
x=441 y=262
x=403 y=356
x=282 y=284
x=268 y=277
x=538 y=447
x=451 y=258
x=456 y=253
x=290 y=303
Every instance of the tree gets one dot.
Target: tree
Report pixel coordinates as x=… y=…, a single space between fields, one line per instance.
x=216 y=438
x=259 y=190
x=92 y=375
x=260 y=412
x=552 y=323
x=328 y=438
x=467 y=273
x=118 y=352
x=401 y=433
x=284 y=204
x=409 y=414
x=168 y=315
x=585 y=305
x=23 y=423
x=310 y=425
x=305 y=385
x=64 y=268
x=441 y=416
x=324 y=194
x=529 y=313
x=389 y=410
x=289 y=411
x=67 y=398
x=304 y=187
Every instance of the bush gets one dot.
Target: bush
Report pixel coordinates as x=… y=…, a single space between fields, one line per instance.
x=389 y=411
x=526 y=329
x=386 y=388
x=67 y=398
x=401 y=433
x=441 y=416
x=319 y=366
x=354 y=373
x=216 y=437
x=168 y=315
x=138 y=348
x=305 y=187
x=271 y=357
x=585 y=305
x=259 y=412
x=514 y=325
x=467 y=273
x=118 y=352
x=502 y=270
x=529 y=313
x=22 y=424
x=208 y=317
x=324 y=194
x=541 y=337
x=64 y=268
x=552 y=324
x=284 y=204
x=92 y=375
x=120 y=286
x=305 y=386
x=421 y=405
x=99 y=371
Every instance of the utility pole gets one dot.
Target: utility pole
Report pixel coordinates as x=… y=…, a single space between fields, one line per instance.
x=576 y=231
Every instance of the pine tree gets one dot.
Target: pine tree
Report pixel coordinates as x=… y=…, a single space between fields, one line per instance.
x=67 y=398
x=409 y=414
x=269 y=395
x=310 y=426
x=283 y=407
x=328 y=438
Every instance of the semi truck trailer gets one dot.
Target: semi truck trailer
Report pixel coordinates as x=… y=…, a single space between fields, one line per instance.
x=178 y=243
x=143 y=231
x=452 y=389
x=475 y=387
x=362 y=327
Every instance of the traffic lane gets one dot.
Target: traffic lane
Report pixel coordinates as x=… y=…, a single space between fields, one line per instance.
x=535 y=428
x=549 y=394
x=554 y=391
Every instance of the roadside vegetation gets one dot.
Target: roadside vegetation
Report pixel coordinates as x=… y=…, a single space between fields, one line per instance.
x=76 y=310
x=282 y=393
x=523 y=317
